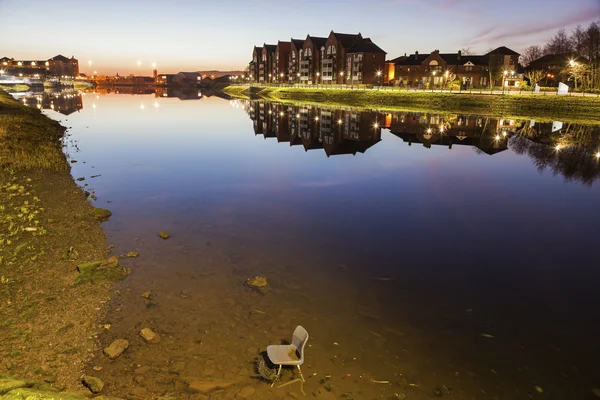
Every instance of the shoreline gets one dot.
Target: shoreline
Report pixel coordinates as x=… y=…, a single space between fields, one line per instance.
x=49 y=323
x=575 y=109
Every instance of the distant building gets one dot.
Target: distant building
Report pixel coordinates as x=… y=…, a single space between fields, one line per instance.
x=473 y=71
x=254 y=66
x=59 y=65
x=266 y=63
x=187 y=78
x=556 y=67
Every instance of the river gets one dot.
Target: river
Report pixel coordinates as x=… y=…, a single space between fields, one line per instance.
x=427 y=255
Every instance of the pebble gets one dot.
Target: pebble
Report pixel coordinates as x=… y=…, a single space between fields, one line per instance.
x=116 y=348
x=149 y=335
x=142 y=370
x=147 y=294
x=94 y=384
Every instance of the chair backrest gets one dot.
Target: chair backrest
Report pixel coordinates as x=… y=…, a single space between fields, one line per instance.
x=299 y=340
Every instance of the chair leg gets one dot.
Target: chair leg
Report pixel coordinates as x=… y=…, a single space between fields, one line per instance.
x=277 y=377
x=301 y=376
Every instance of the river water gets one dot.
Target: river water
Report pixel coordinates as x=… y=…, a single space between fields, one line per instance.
x=427 y=255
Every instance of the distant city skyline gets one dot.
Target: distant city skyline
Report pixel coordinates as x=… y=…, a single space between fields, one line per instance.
x=182 y=35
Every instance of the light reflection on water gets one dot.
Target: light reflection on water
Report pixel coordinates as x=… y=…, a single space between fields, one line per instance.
x=405 y=238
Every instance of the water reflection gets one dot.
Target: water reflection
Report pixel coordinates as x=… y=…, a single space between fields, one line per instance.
x=571 y=150
x=65 y=102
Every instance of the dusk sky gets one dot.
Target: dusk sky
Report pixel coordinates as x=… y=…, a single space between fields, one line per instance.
x=188 y=35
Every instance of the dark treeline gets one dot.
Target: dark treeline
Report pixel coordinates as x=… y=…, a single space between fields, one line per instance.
x=581 y=51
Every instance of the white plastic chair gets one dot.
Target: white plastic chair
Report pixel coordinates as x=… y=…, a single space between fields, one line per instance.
x=289 y=354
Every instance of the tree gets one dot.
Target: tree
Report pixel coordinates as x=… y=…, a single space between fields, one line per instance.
x=535 y=76
x=530 y=54
x=559 y=44
x=467 y=51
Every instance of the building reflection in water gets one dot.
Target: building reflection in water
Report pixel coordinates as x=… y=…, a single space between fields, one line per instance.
x=335 y=131
x=65 y=102
x=571 y=150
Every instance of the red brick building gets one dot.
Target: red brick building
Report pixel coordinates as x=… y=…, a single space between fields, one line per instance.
x=280 y=62
x=436 y=69
x=253 y=67
x=296 y=46
x=310 y=59
x=265 y=67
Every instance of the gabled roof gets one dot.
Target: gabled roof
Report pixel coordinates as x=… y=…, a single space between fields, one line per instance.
x=283 y=45
x=365 y=46
x=503 y=50
x=317 y=41
x=269 y=47
x=60 y=57
x=413 y=59
x=449 y=58
x=346 y=39
x=397 y=59
x=297 y=43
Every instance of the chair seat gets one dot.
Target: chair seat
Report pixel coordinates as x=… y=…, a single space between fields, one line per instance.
x=283 y=355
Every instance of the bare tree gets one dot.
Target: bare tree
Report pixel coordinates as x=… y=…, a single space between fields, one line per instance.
x=530 y=54
x=535 y=76
x=467 y=51
x=559 y=44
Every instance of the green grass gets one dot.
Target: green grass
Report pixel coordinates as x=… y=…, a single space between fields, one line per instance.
x=575 y=109
x=29 y=140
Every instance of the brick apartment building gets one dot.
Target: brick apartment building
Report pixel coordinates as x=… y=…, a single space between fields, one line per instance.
x=337 y=59
x=499 y=66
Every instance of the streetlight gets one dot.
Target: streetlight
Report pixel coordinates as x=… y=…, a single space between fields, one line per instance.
x=379 y=78
x=318 y=74
x=504 y=81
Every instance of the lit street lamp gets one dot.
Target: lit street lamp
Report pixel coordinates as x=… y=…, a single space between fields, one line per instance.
x=379 y=78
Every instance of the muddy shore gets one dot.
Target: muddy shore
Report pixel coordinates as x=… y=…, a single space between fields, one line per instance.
x=48 y=323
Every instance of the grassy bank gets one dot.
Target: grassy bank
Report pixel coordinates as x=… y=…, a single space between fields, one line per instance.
x=48 y=323
x=522 y=106
x=14 y=88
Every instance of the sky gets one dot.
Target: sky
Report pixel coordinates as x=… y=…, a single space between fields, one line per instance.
x=192 y=35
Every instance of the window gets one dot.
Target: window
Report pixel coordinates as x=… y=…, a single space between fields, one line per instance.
x=469 y=68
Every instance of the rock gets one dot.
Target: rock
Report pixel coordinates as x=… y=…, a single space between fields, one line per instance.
x=246 y=393
x=147 y=294
x=73 y=161
x=132 y=254
x=112 y=262
x=88 y=267
x=116 y=348
x=6 y=385
x=94 y=384
x=205 y=386
x=324 y=394
x=142 y=370
x=164 y=235
x=97 y=368
x=252 y=351
x=184 y=293
x=257 y=282
x=101 y=214
x=81 y=179
x=149 y=335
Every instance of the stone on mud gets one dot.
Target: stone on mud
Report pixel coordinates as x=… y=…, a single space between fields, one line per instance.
x=164 y=235
x=88 y=267
x=116 y=348
x=207 y=386
x=147 y=294
x=246 y=392
x=112 y=262
x=132 y=254
x=101 y=214
x=142 y=370
x=94 y=384
x=149 y=335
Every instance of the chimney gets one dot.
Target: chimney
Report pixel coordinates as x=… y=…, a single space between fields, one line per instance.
x=459 y=55
x=416 y=54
